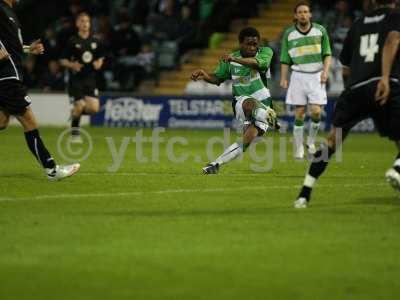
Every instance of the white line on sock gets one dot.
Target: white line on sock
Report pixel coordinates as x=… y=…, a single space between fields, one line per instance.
x=309 y=181
x=397 y=163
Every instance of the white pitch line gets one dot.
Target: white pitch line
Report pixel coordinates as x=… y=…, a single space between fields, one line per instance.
x=174 y=191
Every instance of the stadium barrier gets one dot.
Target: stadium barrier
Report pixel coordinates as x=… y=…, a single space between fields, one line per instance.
x=191 y=112
x=52 y=109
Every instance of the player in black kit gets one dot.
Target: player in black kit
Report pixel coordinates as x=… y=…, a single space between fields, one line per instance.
x=361 y=58
x=14 y=100
x=83 y=57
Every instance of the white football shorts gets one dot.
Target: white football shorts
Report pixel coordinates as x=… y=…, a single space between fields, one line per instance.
x=306 y=88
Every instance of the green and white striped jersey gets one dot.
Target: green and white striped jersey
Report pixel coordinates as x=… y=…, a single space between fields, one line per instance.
x=305 y=52
x=248 y=82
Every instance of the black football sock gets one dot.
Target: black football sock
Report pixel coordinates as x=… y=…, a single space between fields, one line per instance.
x=318 y=166
x=38 y=149
x=320 y=161
x=75 y=123
x=397 y=163
x=305 y=192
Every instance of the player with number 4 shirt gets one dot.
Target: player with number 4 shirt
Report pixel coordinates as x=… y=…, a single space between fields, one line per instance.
x=362 y=60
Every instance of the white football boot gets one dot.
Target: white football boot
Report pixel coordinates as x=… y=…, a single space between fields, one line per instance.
x=393 y=177
x=76 y=139
x=300 y=203
x=61 y=172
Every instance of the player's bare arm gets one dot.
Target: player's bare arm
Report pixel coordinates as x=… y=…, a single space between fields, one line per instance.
x=389 y=53
x=200 y=74
x=248 y=61
x=98 y=63
x=284 y=74
x=345 y=74
x=73 y=65
x=4 y=54
x=325 y=71
x=36 y=48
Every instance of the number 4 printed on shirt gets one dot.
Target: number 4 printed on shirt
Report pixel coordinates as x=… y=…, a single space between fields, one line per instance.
x=369 y=46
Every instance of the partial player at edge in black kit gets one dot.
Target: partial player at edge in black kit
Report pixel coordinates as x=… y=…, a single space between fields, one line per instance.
x=14 y=100
x=83 y=57
x=361 y=58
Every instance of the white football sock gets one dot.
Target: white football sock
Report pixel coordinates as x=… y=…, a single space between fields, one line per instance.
x=260 y=114
x=314 y=127
x=229 y=154
x=397 y=163
x=298 y=133
x=309 y=181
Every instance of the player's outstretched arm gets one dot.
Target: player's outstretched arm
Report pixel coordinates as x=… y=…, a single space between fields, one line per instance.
x=200 y=74
x=388 y=55
x=4 y=54
x=250 y=62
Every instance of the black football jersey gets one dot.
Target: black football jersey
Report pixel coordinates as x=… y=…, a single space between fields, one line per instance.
x=84 y=51
x=363 y=46
x=11 y=41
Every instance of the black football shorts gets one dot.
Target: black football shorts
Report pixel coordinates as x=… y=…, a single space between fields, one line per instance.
x=357 y=104
x=79 y=89
x=13 y=97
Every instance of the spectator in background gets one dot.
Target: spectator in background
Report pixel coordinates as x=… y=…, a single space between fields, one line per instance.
x=52 y=50
x=52 y=78
x=125 y=45
x=366 y=7
x=206 y=8
x=50 y=44
x=30 y=72
x=140 y=13
x=336 y=17
x=74 y=8
x=187 y=31
x=245 y=9
x=143 y=66
x=165 y=26
x=339 y=34
x=217 y=13
x=161 y=6
x=338 y=38
x=104 y=31
x=97 y=7
x=124 y=39
x=66 y=31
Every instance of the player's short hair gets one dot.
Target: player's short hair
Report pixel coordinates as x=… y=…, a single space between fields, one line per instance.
x=248 y=32
x=302 y=3
x=82 y=14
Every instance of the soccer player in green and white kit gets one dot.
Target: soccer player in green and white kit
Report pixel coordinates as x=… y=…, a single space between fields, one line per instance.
x=306 y=49
x=248 y=68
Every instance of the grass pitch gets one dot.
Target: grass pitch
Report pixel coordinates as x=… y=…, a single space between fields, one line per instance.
x=161 y=230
